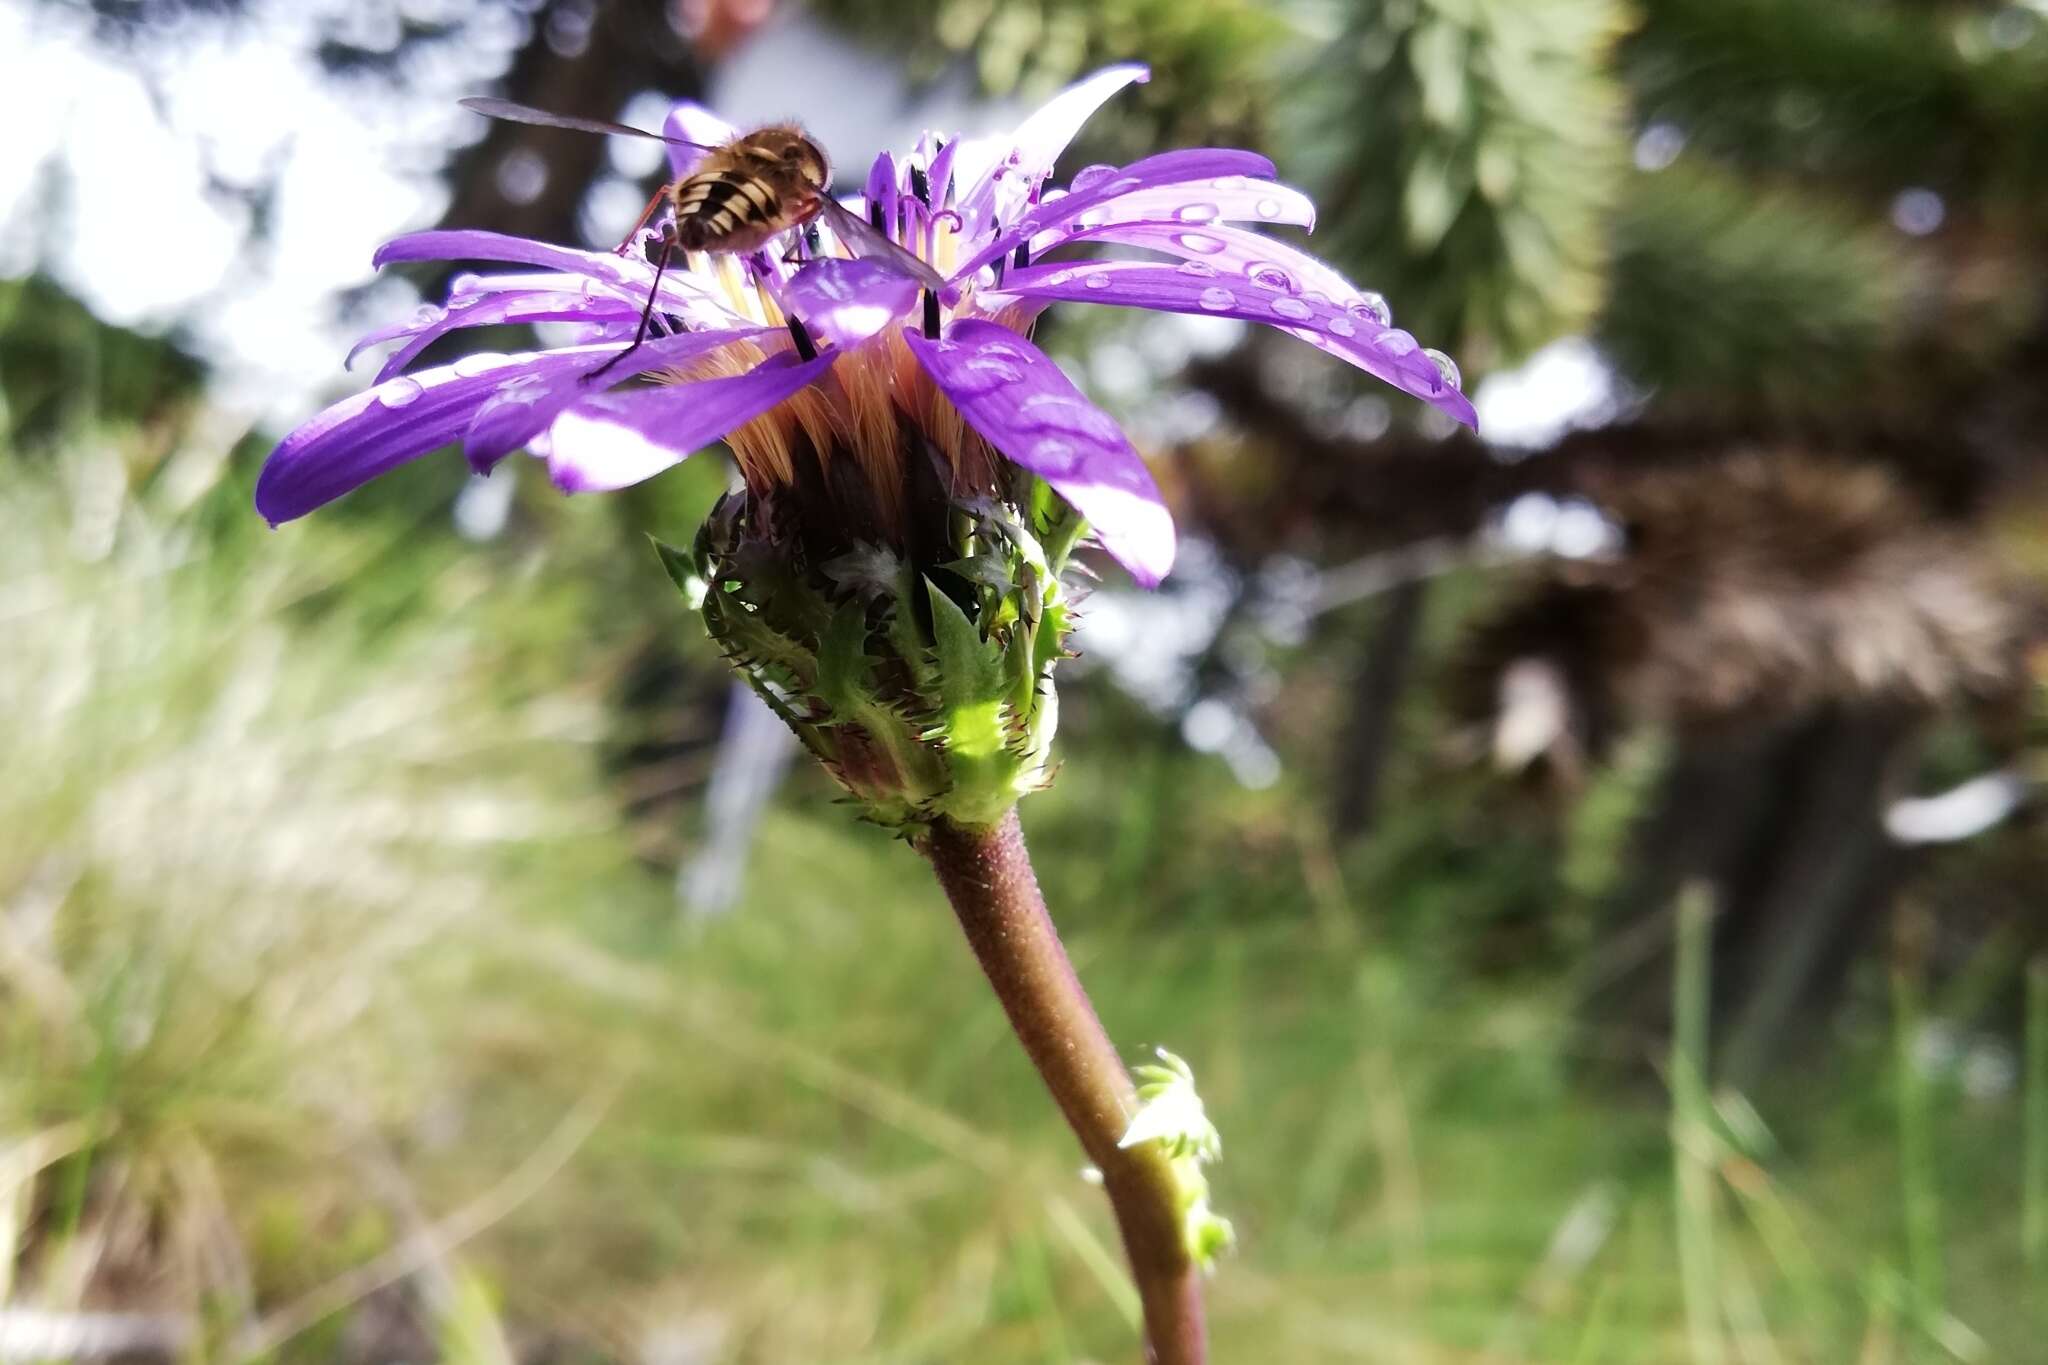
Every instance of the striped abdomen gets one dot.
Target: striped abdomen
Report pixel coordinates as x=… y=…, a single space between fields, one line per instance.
x=728 y=209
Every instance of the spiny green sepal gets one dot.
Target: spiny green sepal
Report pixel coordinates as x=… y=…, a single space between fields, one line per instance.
x=925 y=694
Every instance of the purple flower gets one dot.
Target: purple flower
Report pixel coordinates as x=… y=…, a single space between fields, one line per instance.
x=810 y=367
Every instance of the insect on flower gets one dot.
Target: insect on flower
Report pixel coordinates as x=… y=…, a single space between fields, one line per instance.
x=743 y=195
x=868 y=361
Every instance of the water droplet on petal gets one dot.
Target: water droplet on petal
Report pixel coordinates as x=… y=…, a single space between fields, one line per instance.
x=1054 y=456
x=1446 y=367
x=1123 y=186
x=396 y=393
x=1288 y=306
x=1216 y=300
x=1196 y=213
x=1098 y=279
x=1087 y=176
x=1395 y=342
x=1343 y=326
x=527 y=389
x=1200 y=241
x=1271 y=277
x=426 y=315
x=1372 y=308
x=989 y=367
x=1201 y=270
x=1268 y=208
x=1093 y=218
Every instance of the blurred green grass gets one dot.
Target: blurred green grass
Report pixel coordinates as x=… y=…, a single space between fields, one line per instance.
x=343 y=1021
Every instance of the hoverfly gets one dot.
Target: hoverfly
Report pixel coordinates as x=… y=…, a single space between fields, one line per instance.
x=741 y=196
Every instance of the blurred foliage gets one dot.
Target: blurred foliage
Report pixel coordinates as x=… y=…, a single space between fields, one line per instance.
x=1215 y=57
x=1873 y=95
x=61 y=369
x=1787 y=305
x=1469 y=151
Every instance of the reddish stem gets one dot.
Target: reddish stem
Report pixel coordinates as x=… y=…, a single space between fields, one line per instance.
x=987 y=876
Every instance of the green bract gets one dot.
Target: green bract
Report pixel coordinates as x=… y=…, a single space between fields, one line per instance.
x=926 y=695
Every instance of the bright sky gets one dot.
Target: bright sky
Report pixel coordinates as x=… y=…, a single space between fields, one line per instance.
x=113 y=199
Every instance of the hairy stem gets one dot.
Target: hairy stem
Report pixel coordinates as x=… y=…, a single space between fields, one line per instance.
x=987 y=876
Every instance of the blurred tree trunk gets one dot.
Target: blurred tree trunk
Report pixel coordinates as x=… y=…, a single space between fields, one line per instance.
x=1369 y=732
x=1786 y=827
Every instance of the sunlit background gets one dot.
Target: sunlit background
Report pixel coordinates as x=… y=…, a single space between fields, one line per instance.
x=1595 y=869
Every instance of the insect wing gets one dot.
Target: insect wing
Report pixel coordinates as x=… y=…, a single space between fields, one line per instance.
x=863 y=239
x=521 y=113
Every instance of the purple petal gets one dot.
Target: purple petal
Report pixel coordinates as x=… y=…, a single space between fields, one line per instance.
x=941 y=172
x=1041 y=138
x=1230 y=251
x=477 y=244
x=846 y=302
x=682 y=292
x=616 y=439
x=881 y=193
x=1023 y=405
x=1038 y=142
x=490 y=309
x=1227 y=199
x=1349 y=329
x=694 y=123
x=401 y=419
x=523 y=408
x=1167 y=168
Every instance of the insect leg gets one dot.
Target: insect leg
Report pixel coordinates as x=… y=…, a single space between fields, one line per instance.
x=645 y=214
x=668 y=247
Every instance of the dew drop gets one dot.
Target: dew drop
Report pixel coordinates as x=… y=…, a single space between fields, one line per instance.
x=1343 y=326
x=1054 y=456
x=1288 y=306
x=1201 y=270
x=1093 y=218
x=1216 y=300
x=1446 y=367
x=1087 y=176
x=1268 y=208
x=1271 y=277
x=1372 y=308
x=396 y=393
x=1196 y=213
x=1123 y=186
x=1200 y=241
x=426 y=315
x=1098 y=280
x=1001 y=371
x=1395 y=342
